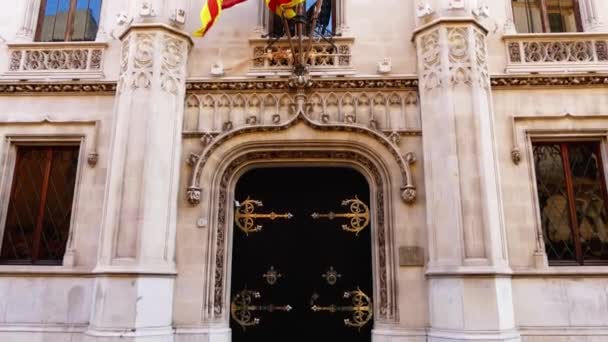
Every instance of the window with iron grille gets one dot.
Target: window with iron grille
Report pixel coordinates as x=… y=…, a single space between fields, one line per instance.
x=40 y=205
x=572 y=202
x=537 y=16
x=68 y=20
x=325 y=25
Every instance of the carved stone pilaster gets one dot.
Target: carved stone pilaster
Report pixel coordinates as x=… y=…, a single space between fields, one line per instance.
x=139 y=218
x=465 y=228
x=29 y=20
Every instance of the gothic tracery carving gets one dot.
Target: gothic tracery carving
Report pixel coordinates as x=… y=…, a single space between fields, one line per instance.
x=285 y=118
x=431 y=60
x=150 y=57
x=460 y=60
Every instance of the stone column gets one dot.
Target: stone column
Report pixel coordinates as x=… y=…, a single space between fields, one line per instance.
x=469 y=285
x=594 y=14
x=29 y=20
x=133 y=298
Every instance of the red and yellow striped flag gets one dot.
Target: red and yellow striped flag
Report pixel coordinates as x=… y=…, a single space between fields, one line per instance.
x=284 y=8
x=211 y=12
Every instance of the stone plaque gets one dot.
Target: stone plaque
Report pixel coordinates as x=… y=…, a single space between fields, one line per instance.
x=411 y=256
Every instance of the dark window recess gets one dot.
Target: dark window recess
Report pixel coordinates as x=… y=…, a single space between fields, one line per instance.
x=537 y=16
x=68 y=20
x=40 y=205
x=572 y=198
x=325 y=23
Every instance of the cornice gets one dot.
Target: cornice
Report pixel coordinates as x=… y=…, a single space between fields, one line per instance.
x=318 y=84
x=67 y=88
x=256 y=85
x=549 y=81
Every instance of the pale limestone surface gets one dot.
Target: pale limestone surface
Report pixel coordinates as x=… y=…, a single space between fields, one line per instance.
x=141 y=258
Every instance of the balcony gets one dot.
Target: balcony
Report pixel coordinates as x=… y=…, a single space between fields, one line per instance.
x=557 y=53
x=71 y=60
x=326 y=59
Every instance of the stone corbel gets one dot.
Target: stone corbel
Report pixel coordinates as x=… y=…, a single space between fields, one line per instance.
x=212 y=142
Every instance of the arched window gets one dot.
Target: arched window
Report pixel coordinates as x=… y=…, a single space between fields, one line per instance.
x=68 y=20
x=326 y=23
x=535 y=16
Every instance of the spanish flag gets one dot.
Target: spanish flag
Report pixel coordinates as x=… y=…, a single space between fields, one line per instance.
x=211 y=12
x=284 y=8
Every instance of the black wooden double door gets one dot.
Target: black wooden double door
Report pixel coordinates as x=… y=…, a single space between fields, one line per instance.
x=301 y=268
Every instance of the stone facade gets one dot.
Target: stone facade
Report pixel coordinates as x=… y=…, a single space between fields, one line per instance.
x=437 y=103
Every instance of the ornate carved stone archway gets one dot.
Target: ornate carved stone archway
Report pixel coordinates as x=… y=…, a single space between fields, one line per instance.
x=260 y=154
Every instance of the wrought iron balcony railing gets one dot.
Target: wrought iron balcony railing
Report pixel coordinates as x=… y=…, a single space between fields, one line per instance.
x=65 y=59
x=551 y=53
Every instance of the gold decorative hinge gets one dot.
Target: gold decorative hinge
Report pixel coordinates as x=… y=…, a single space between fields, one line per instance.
x=361 y=308
x=242 y=309
x=358 y=215
x=245 y=216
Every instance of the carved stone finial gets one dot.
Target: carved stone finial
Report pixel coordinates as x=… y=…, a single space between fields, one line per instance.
x=456 y=4
x=516 y=155
x=194 y=195
x=92 y=159
x=424 y=10
x=410 y=157
x=178 y=16
x=408 y=195
x=146 y=10
x=483 y=11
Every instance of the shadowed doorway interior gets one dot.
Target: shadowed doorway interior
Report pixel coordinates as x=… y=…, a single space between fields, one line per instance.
x=302 y=257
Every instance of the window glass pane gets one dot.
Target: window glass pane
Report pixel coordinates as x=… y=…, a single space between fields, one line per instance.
x=86 y=20
x=58 y=208
x=24 y=204
x=527 y=16
x=21 y=237
x=553 y=202
x=562 y=16
x=589 y=200
x=324 y=22
x=54 y=23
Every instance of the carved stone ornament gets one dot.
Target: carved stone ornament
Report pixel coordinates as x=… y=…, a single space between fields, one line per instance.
x=148 y=57
x=109 y=88
x=301 y=107
x=386 y=294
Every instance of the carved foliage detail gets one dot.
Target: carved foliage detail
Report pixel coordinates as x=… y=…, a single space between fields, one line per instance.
x=149 y=57
x=431 y=60
x=460 y=61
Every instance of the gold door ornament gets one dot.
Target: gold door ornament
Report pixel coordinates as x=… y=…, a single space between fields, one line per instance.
x=245 y=216
x=242 y=308
x=358 y=215
x=360 y=308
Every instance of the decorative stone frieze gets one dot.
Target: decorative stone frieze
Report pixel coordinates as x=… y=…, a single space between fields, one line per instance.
x=556 y=52
x=69 y=59
x=325 y=58
x=139 y=66
x=464 y=60
x=385 y=111
x=212 y=140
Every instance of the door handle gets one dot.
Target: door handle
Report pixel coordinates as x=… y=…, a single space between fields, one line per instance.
x=242 y=308
x=361 y=308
